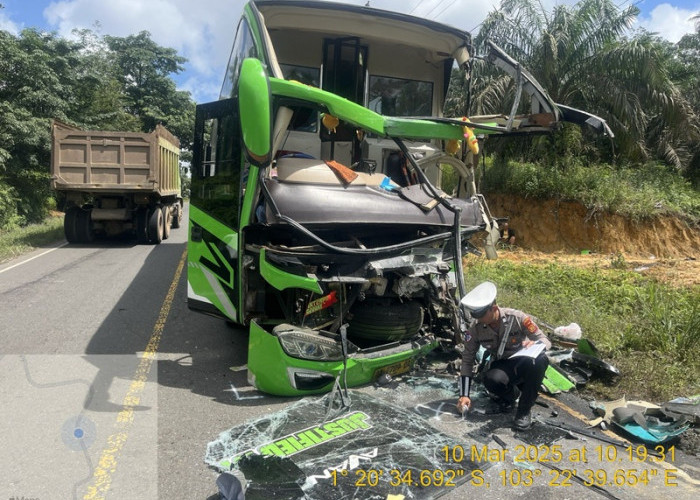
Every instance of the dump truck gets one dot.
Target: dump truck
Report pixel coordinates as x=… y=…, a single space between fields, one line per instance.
x=117 y=182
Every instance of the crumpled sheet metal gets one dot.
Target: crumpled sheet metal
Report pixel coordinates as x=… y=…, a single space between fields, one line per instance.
x=689 y=407
x=301 y=453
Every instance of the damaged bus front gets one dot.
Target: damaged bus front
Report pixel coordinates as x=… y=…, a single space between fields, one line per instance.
x=318 y=216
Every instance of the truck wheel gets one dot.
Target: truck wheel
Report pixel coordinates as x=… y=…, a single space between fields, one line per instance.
x=167 y=221
x=155 y=225
x=86 y=233
x=69 y=224
x=177 y=215
x=142 y=225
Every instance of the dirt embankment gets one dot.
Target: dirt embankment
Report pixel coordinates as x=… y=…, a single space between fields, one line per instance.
x=665 y=247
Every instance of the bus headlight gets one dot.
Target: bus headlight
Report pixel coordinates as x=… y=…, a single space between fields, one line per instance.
x=304 y=345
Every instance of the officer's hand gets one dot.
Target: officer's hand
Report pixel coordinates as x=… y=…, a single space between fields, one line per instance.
x=463 y=404
x=528 y=342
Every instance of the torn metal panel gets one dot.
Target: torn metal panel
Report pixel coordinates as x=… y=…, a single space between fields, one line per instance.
x=302 y=453
x=417 y=262
x=541 y=102
x=689 y=407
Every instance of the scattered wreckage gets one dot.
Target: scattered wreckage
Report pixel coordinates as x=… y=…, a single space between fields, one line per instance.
x=405 y=438
x=329 y=215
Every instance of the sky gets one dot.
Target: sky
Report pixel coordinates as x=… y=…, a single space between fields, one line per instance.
x=203 y=30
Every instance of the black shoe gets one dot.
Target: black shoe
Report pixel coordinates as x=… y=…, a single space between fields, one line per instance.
x=499 y=406
x=522 y=422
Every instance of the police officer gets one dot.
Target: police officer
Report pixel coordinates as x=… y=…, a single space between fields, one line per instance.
x=502 y=332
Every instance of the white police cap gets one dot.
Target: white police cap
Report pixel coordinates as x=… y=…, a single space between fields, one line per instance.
x=480 y=298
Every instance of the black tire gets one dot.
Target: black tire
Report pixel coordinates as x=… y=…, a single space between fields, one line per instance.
x=385 y=320
x=177 y=215
x=84 y=228
x=155 y=225
x=142 y=225
x=70 y=225
x=167 y=221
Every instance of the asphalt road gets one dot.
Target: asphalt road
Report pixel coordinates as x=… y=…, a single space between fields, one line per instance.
x=102 y=331
x=102 y=302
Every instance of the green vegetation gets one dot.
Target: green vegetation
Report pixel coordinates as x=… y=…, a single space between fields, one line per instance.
x=103 y=83
x=635 y=193
x=650 y=331
x=583 y=56
x=587 y=56
x=19 y=240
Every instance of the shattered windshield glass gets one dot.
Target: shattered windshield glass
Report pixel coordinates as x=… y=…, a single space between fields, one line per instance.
x=306 y=452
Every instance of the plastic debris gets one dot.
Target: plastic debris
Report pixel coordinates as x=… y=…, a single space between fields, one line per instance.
x=570 y=332
x=640 y=421
x=230 y=488
x=555 y=382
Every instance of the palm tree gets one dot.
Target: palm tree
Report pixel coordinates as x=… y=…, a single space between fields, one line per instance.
x=581 y=54
x=688 y=76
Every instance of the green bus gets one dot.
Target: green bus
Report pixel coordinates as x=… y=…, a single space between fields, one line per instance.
x=319 y=217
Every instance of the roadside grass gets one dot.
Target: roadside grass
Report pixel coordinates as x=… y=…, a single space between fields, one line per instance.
x=649 y=331
x=636 y=193
x=19 y=240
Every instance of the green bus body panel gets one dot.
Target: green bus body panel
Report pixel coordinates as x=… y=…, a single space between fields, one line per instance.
x=282 y=280
x=249 y=197
x=358 y=115
x=268 y=361
x=220 y=230
x=422 y=129
x=336 y=105
x=202 y=280
x=255 y=109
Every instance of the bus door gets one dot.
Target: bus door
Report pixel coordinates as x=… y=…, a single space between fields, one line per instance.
x=218 y=179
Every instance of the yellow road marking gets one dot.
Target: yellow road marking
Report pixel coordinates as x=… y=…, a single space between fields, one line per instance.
x=107 y=464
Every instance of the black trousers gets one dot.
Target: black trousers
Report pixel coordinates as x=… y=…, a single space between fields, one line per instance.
x=524 y=373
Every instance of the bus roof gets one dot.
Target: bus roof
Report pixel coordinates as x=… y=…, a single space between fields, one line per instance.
x=364 y=22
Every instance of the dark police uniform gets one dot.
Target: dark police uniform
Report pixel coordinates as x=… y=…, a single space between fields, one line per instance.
x=504 y=373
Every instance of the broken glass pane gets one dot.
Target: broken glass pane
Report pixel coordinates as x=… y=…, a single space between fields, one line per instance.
x=373 y=445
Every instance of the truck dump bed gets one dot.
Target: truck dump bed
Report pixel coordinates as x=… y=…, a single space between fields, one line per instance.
x=93 y=161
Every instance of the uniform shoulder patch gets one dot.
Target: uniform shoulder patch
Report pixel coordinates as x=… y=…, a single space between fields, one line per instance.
x=529 y=324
